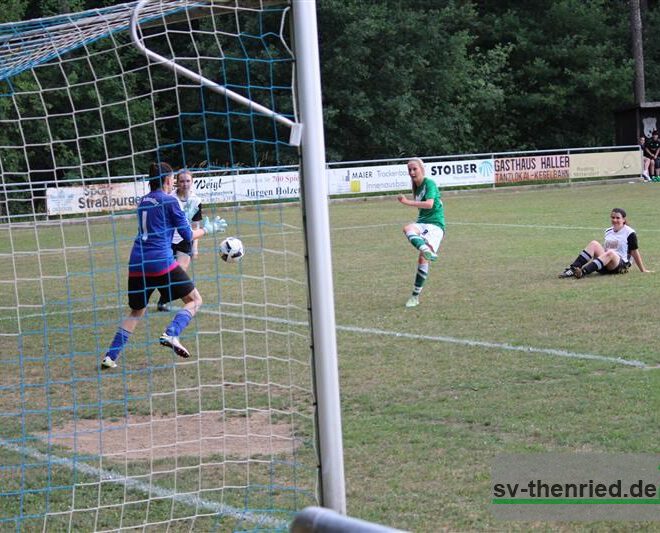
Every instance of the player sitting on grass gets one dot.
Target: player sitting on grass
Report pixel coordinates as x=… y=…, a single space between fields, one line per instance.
x=426 y=234
x=613 y=256
x=152 y=264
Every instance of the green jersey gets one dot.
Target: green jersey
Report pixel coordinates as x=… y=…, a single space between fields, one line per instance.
x=426 y=191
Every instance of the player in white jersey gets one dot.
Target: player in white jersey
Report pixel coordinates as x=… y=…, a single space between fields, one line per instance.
x=615 y=256
x=191 y=205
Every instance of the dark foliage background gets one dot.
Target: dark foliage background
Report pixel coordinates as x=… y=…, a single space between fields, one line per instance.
x=447 y=76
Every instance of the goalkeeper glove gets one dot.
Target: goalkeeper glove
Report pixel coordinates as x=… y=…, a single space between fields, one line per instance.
x=216 y=225
x=190 y=208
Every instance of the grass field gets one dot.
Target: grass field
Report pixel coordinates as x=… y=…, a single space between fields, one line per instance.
x=501 y=356
x=425 y=414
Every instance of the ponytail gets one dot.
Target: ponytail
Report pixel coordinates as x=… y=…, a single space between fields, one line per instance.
x=157 y=171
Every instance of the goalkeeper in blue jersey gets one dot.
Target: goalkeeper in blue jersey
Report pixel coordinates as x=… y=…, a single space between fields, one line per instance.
x=427 y=232
x=152 y=264
x=184 y=250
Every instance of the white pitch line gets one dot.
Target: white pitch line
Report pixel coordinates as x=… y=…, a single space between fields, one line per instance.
x=105 y=475
x=434 y=338
x=531 y=226
x=492 y=224
x=500 y=346
x=453 y=340
x=542 y=226
x=483 y=224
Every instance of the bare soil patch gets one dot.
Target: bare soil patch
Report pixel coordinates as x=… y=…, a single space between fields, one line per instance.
x=203 y=435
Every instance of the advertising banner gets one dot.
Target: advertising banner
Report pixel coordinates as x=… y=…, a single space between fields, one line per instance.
x=368 y=179
x=94 y=198
x=213 y=189
x=606 y=164
x=220 y=187
x=461 y=173
x=532 y=168
x=387 y=178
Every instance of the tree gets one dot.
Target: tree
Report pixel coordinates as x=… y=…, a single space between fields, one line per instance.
x=637 y=51
x=13 y=10
x=446 y=76
x=568 y=76
x=401 y=81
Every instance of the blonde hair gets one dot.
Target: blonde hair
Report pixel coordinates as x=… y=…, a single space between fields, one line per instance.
x=418 y=161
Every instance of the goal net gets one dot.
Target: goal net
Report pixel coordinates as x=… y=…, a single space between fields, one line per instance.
x=224 y=440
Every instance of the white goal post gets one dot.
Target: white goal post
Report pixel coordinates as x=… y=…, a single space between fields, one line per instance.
x=315 y=202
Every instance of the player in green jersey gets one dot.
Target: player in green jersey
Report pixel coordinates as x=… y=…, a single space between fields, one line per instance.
x=427 y=232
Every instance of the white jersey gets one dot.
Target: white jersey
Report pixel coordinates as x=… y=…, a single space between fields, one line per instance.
x=192 y=207
x=623 y=241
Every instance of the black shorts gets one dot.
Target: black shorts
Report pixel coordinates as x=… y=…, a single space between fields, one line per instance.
x=172 y=286
x=622 y=268
x=184 y=247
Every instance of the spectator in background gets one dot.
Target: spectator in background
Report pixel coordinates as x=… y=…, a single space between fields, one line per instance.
x=646 y=159
x=653 y=151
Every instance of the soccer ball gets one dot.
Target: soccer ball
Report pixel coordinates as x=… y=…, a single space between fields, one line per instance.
x=231 y=250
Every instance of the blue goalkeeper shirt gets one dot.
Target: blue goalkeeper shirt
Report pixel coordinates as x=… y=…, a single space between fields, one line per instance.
x=159 y=214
